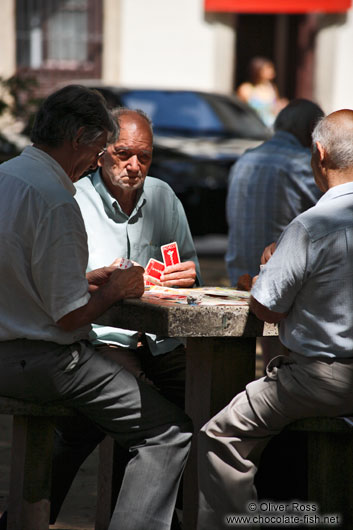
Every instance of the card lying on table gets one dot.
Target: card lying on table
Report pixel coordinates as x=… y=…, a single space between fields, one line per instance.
x=153 y=271
x=170 y=254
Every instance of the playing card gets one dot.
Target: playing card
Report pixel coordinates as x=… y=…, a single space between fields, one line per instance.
x=170 y=254
x=124 y=263
x=154 y=268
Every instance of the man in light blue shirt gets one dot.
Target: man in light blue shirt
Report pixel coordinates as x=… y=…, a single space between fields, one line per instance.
x=307 y=285
x=129 y=214
x=269 y=186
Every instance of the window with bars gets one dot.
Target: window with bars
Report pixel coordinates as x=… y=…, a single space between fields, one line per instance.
x=59 y=39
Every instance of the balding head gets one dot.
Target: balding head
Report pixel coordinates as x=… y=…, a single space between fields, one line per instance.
x=335 y=135
x=126 y=162
x=136 y=115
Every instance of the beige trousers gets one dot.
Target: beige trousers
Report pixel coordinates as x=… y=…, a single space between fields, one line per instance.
x=231 y=443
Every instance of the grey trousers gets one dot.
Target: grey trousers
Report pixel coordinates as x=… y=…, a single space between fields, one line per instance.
x=76 y=438
x=156 y=433
x=231 y=443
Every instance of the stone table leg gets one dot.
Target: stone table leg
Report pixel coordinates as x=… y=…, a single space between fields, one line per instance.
x=216 y=370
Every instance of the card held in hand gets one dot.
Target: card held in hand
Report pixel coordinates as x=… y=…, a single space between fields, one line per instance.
x=124 y=263
x=153 y=271
x=170 y=254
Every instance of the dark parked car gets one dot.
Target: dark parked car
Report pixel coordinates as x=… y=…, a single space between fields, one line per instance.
x=197 y=137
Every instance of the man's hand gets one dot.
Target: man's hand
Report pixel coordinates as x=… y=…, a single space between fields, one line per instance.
x=127 y=283
x=122 y=283
x=117 y=261
x=179 y=275
x=253 y=281
x=244 y=282
x=267 y=253
x=98 y=277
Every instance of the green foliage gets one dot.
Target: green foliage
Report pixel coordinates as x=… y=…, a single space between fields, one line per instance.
x=18 y=97
x=22 y=91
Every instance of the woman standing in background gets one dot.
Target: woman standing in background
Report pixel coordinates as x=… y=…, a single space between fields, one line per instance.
x=260 y=92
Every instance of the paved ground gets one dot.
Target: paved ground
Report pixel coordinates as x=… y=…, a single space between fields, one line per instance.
x=78 y=512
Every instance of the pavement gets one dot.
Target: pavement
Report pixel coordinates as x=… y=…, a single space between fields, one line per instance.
x=78 y=511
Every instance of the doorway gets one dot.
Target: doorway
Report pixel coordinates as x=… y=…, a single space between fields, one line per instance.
x=288 y=40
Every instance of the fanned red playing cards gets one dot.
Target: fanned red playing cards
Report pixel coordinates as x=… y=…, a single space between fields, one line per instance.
x=154 y=268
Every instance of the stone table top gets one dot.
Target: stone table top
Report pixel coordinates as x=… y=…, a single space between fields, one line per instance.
x=181 y=320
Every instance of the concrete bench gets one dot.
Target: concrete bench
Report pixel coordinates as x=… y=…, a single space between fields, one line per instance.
x=330 y=465
x=31 y=456
x=311 y=460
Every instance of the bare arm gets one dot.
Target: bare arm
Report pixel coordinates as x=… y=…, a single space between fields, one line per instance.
x=265 y=314
x=120 y=284
x=244 y=91
x=267 y=253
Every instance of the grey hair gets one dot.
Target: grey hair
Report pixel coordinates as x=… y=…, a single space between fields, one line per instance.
x=337 y=142
x=69 y=109
x=299 y=118
x=117 y=112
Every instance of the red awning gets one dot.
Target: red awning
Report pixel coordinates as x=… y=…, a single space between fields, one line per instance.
x=277 y=6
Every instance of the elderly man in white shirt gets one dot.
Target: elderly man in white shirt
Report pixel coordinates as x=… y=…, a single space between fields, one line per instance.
x=47 y=304
x=307 y=285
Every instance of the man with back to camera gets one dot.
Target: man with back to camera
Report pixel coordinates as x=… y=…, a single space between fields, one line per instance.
x=128 y=214
x=307 y=285
x=269 y=186
x=48 y=303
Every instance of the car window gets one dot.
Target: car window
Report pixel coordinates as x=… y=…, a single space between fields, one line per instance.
x=184 y=112
x=238 y=118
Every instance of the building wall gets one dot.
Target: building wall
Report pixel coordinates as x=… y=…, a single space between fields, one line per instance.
x=333 y=73
x=7 y=39
x=112 y=31
x=167 y=43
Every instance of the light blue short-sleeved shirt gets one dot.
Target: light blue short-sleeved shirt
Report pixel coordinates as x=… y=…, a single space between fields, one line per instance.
x=157 y=219
x=43 y=254
x=310 y=276
x=268 y=187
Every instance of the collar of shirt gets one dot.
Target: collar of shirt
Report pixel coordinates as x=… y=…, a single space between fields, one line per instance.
x=337 y=191
x=110 y=202
x=285 y=137
x=57 y=170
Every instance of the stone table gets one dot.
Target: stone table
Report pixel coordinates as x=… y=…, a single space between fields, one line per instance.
x=220 y=359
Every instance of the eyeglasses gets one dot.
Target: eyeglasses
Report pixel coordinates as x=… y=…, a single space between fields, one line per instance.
x=101 y=153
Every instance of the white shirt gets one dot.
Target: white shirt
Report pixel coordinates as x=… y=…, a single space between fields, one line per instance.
x=310 y=276
x=43 y=253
